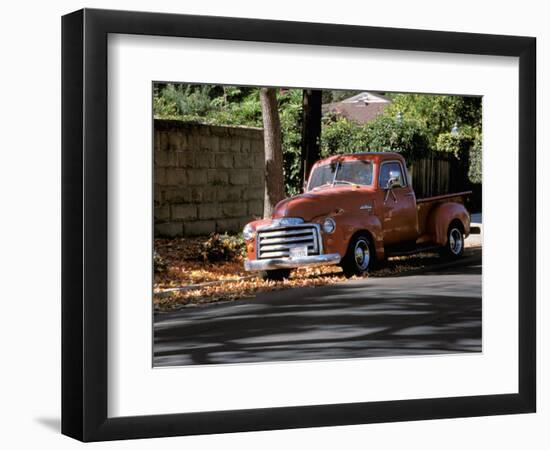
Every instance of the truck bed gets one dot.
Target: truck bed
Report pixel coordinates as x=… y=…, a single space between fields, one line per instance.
x=425 y=206
x=447 y=197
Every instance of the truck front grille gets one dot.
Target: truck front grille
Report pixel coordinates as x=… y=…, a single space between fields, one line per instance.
x=277 y=242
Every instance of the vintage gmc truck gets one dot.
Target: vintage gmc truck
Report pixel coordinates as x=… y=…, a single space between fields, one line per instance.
x=356 y=210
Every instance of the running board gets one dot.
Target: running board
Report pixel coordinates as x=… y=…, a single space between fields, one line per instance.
x=429 y=248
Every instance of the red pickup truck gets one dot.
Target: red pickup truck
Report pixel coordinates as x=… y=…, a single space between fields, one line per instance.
x=356 y=210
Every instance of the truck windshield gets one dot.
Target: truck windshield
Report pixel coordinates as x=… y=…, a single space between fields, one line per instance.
x=346 y=172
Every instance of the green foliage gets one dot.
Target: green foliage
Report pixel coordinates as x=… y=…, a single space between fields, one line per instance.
x=384 y=134
x=222 y=247
x=465 y=145
x=387 y=134
x=189 y=99
x=245 y=112
x=290 y=114
x=458 y=144
x=163 y=107
x=217 y=105
x=340 y=135
x=227 y=105
x=474 y=172
x=424 y=125
x=437 y=113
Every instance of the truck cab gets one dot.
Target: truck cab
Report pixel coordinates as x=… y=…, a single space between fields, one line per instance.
x=356 y=210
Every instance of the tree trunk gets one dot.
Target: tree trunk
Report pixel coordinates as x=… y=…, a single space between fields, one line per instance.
x=274 y=183
x=311 y=130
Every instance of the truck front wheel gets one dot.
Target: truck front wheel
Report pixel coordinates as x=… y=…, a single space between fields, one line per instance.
x=275 y=274
x=455 y=241
x=359 y=257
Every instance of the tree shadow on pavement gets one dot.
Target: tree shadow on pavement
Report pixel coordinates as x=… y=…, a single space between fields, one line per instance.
x=360 y=318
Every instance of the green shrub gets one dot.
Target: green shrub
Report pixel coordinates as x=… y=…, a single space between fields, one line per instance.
x=423 y=128
x=340 y=135
x=384 y=134
x=290 y=113
x=458 y=144
x=189 y=99
x=436 y=113
x=474 y=172
x=222 y=247
x=466 y=146
x=405 y=136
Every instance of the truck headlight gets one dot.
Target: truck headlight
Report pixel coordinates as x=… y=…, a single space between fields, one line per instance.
x=248 y=232
x=329 y=225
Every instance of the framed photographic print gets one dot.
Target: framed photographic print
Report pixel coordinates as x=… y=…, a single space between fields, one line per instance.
x=274 y=225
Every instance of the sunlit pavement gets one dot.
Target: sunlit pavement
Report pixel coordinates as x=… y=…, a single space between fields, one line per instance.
x=475 y=239
x=429 y=313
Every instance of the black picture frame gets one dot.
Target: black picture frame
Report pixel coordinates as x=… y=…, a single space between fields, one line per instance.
x=84 y=224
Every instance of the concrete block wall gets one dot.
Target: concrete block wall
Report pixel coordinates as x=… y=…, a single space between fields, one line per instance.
x=207 y=178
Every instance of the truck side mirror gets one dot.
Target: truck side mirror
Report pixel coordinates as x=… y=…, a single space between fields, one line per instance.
x=393 y=181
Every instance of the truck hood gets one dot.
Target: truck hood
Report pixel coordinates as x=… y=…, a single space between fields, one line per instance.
x=314 y=204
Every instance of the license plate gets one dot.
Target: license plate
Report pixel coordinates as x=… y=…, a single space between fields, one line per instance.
x=298 y=252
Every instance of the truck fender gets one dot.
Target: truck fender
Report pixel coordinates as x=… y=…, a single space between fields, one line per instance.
x=441 y=217
x=371 y=224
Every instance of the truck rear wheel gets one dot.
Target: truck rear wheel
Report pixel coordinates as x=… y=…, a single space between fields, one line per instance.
x=359 y=256
x=275 y=274
x=454 y=248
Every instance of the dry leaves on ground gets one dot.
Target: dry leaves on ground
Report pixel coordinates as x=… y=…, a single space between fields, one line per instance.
x=185 y=268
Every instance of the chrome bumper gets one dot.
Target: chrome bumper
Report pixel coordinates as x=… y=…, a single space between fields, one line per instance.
x=289 y=263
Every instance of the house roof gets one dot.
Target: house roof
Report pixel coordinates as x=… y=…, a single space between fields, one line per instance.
x=360 y=108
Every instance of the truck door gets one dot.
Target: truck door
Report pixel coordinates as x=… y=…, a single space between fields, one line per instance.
x=399 y=219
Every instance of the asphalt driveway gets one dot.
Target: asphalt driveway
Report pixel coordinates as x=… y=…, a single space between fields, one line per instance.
x=428 y=313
